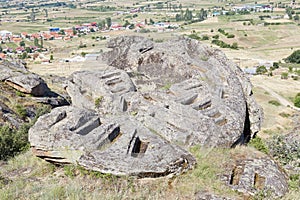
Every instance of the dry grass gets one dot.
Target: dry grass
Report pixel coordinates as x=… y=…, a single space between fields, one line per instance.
x=33 y=178
x=277 y=119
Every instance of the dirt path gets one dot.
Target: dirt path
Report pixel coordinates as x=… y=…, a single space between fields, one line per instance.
x=282 y=100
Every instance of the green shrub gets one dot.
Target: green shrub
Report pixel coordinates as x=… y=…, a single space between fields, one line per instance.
x=274 y=102
x=285 y=115
x=205 y=37
x=194 y=36
x=143 y=30
x=259 y=144
x=234 y=46
x=70 y=170
x=230 y=36
x=294 y=57
x=294 y=181
x=261 y=70
x=284 y=75
x=98 y=101
x=20 y=94
x=83 y=54
x=297 y=100
x=220 y=43
x=216 y=37
x=21 y=111
x=13 y=141
x=285 y=150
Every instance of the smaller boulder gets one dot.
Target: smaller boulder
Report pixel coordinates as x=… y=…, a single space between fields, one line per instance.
x=254 y=172
x=22 y=80
x=29 y=84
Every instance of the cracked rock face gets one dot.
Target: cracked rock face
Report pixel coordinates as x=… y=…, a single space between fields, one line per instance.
x=122 y=146
x=22 y=80
x=154 y=101
x=256 y=173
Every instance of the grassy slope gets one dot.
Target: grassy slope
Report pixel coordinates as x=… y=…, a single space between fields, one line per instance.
x=33 y=178
x=28 y=177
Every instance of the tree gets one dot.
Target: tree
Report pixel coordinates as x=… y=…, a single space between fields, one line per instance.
x=24 y=55
x=62 y=32
x=202 y=15
x=32 y=16
x=51 y=57
x=28 y=50
x=101 y=24
x=261 y=70
x=74 y=30
x=151 y=21
x=22 y=43
x=275 y=65
x=297 y=100
x=178 y=17
x=180 y=6
x=42 y=43
x=289 y=12
x=126 y=23
x=284 y=75
x=46 y=13
x=294 y=57
x=188 y=15
x=234 y=45
x=36 y=42
x=108 y=22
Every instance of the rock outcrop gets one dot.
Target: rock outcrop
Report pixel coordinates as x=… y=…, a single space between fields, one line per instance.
x=154 y=100
x=122 y=146
x=255 y=173
x=22 y=80
x=22 y=94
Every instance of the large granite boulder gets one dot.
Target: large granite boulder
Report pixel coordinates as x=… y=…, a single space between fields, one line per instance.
x=18 y=77
x=121 y=146
x=182 y=89
x=154 y=101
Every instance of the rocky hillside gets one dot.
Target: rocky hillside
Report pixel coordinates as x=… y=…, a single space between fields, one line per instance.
x=143 y=114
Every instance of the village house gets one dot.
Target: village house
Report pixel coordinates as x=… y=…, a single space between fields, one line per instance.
x=2 y=56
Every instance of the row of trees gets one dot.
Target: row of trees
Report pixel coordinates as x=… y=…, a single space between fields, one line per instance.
x=188 y=15
x=107 y=22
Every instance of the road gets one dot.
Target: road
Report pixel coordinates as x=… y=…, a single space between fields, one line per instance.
x=281 y=99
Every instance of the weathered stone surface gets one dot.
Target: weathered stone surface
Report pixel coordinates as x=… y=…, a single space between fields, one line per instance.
x=155 y=98
x=63 y=133
x=121 y=147
x=22 y=80
x=255 y=173
x=199 y=78
x=52 y=101
x=286 y=148
x=137 y=151
x=86 y=88
x=204 y=195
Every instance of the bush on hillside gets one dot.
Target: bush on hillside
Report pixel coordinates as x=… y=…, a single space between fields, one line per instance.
x=294 y=57
x=297 y=100
x=13 y=141
x=261 y=70
x=285 y=150
x=259 y=144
